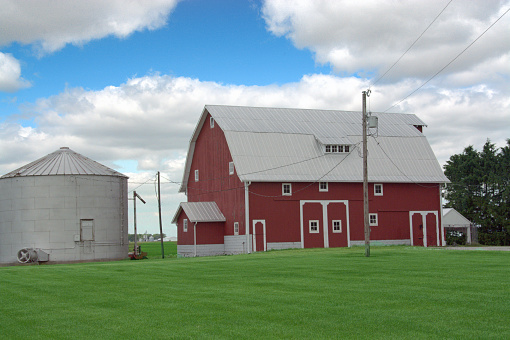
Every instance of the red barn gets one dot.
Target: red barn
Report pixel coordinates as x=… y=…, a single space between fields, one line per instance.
x=272 y=178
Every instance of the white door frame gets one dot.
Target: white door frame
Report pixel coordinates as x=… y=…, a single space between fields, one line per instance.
x=424 y=223
x=325 y=204
x=255 y=237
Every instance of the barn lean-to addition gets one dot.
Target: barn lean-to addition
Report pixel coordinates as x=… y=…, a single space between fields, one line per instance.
x=63 y=207
x=271 y=178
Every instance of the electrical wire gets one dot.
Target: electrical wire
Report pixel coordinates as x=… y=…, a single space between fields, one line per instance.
x=451 y=61
x=422 y=33
x=150 y=179
x=402 y=172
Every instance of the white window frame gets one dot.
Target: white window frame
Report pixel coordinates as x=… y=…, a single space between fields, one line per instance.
x=236 y=228
x=310 y=224
x=321 y=188
x=185 y=225
x=196 y=175
x=373 y=220
x=346 y=148
x=211 y=122
x=333 y=226
x=375 y=189
x=284 y=193
x=328 y=148
x=231 y=168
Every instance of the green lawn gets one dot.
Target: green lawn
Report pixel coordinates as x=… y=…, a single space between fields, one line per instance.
x=153 y=249
x=399 y=292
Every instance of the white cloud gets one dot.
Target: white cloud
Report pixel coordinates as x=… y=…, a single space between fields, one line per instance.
x=369 y=36
x=10 y=74
x=50 y=25
x=150 y=120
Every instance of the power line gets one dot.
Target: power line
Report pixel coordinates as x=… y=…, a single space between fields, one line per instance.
x=422 y=33
x=396 y=166
x=442 y=69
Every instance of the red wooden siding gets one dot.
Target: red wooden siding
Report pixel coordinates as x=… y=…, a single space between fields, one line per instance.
x=337 y=211
x=313 y=212
x=184 y=237
x=211 y=159
x=282 y=213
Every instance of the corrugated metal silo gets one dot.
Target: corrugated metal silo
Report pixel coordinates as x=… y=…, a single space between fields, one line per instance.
x=64 y=205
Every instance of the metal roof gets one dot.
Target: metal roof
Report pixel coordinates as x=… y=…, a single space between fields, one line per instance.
x=63 y=162
x=200 y=212
x=452 y=217
x=277 y=144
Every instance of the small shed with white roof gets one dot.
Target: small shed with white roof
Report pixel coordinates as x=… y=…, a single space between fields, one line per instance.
x=63 y=207
x=453 y=220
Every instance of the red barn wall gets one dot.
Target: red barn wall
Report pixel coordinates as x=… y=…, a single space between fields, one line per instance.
x=184 y=237
x=211 y=157
x=282 y=213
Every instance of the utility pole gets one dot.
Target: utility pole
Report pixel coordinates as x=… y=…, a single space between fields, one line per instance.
x=365 y=175
x=160 y=223
x=135 y=195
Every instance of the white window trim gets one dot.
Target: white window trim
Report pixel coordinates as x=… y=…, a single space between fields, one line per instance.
x=333 y=226
x=310 y=226
x=231 y=168
x=321 y=189
x=185 y=225
x=283 y=189
x=236 y=228
x=337 y=148
x=373 y=224
x=211 y=122
x=196 y=175
x=378 y=193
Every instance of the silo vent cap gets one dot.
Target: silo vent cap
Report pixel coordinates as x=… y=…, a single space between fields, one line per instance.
x=64 y=148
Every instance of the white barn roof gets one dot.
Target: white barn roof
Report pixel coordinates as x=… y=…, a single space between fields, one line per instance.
x=200 y=212
x=276 y=144
x=63 y=162
x=452 y=218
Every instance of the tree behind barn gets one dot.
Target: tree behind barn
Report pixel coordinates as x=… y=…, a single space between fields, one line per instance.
x=480 y=190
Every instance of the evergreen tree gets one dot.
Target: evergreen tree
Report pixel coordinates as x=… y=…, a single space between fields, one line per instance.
x=480 y=190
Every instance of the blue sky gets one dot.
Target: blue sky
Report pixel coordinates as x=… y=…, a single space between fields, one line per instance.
x=125 y=82
x=224 y=41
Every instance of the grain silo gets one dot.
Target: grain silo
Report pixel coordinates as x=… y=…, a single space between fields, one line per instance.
x=63 y=207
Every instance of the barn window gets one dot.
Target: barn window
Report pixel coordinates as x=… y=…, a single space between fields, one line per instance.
x=323 y=186
x=236 y=228
x=196 y=175
x=185 y=225
x=211 y=120
x=372 y=218
x=337 y=226
x=378 y=190
x=286 y=189
x=231 y=168
x=314 y=227
x=336 y=148
x=87 y=230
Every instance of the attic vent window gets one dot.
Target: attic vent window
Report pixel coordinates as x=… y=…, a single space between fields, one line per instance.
x=211 y=122
x=231 y=168
x=337 y=148
x=286 y=189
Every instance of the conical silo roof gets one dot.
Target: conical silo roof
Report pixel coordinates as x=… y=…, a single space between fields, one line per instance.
x=63 y=162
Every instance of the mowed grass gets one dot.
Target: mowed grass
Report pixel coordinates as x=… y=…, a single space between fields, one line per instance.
x=153 y=249
x=399 y=292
